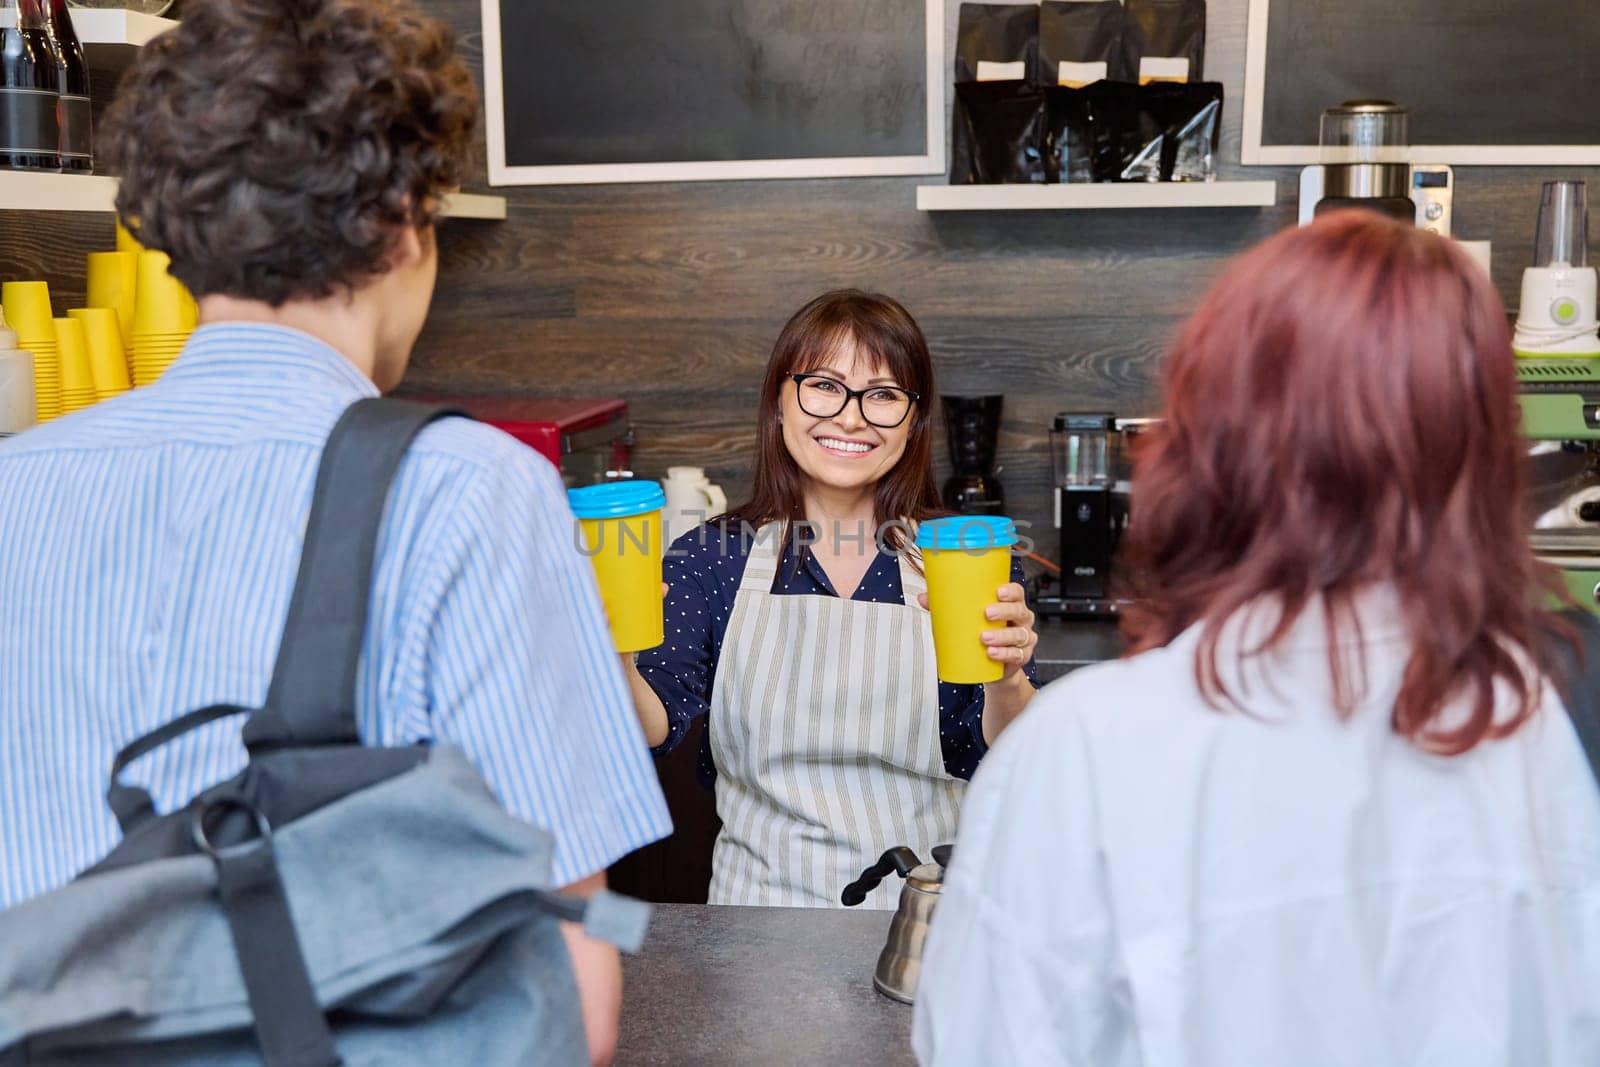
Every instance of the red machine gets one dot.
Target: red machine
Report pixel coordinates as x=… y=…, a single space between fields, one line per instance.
x=589 y=440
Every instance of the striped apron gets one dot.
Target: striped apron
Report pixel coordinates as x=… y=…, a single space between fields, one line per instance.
x=825 y=731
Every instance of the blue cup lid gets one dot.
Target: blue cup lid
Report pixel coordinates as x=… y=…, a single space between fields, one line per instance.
x=616 y=500
x=970 y=533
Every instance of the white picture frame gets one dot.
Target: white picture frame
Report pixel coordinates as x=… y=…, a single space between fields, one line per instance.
x=501 y=174
x=1253 y=153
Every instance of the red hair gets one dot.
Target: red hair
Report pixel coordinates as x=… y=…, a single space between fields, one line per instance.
x=1340 y=412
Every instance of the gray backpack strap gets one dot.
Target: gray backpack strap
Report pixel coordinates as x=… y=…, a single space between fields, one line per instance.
x=290 y=1026
x=312 y=696
x=606 y=916
x=311 y=701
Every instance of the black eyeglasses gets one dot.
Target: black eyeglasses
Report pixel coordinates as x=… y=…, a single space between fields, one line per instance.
x=883 y=406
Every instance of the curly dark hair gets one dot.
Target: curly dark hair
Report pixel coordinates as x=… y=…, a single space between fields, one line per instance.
x=272 y=147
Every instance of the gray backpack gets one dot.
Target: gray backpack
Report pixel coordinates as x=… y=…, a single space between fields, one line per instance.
x=334 y=903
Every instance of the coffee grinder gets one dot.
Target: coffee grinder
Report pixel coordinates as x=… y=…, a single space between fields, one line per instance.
x=1365 y=149
x=972 y=430
x=1090 y=511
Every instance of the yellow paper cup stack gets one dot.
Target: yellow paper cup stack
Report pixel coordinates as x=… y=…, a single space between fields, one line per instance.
x=77 y=380
x=26 y=306
x=622 y=531
x=966 y=558
x=114 y=284
x=108 y=362
x=164 y=316
x=126 y=241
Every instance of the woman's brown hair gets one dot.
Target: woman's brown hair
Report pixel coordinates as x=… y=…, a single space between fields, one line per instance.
x=1340 y=412
x=883 y=332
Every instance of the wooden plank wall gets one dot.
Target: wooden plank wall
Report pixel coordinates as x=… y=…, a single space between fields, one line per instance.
x=671 y=295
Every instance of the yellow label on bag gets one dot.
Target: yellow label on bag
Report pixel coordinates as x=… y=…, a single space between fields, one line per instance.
x=1163 y=69
x=1077 y=75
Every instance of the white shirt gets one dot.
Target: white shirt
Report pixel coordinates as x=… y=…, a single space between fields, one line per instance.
x=1142 y=880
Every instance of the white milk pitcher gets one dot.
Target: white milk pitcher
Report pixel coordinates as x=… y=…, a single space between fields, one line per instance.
x=691 y=500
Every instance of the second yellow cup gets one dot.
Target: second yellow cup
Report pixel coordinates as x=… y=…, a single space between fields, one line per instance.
x=114 y=283
x=966 y=559
x=126 y=241
x=621 y=524
x=162 y=304
x=27 y=310
x=108 y=360
x=77 y=376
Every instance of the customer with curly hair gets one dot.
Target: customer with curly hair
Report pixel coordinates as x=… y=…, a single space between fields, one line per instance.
x=1331 y=810
x=291 y=157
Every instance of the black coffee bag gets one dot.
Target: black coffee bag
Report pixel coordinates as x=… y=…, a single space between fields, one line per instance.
x=1169 y=132
x=999 y=134
x=998 y=119
x=992 y=39
x=1083 y=132
x=1164 y=40
x=1080 y=42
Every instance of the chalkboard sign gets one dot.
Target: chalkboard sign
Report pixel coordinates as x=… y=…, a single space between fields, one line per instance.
x=1486 y=81
x=680 y=90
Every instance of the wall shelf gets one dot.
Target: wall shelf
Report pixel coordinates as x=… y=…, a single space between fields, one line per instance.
x=1098 y=196
x=111 y=37
x=24 y=191
x=115 y=27
x=108 y=27
x=475 y=206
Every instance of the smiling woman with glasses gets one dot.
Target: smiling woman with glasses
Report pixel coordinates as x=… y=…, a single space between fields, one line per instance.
x=797 y=625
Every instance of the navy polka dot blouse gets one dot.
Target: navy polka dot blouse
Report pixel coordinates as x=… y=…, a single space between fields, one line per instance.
x=703 y=570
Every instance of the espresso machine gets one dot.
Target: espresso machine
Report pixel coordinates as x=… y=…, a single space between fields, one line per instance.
x=1364 y=146
x=972 y=430
x=1558 y=372
x=1091 y=511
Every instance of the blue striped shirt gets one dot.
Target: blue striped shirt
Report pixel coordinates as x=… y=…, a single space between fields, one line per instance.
x=148 y=547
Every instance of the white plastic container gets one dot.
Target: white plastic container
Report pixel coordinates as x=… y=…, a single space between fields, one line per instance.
x=18 y=406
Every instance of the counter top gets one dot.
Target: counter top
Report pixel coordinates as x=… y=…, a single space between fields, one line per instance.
x=731 y=985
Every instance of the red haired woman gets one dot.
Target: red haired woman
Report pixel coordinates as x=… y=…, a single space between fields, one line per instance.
x=1330 y=810
x=829 y=738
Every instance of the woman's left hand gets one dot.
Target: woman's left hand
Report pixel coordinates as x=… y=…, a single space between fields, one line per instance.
x=1014 y=644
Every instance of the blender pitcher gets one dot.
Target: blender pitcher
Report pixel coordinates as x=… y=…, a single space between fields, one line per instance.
x=1557 y=316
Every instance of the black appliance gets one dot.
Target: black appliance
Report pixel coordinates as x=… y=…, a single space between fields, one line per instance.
x=972 y=430
x=1090 y=512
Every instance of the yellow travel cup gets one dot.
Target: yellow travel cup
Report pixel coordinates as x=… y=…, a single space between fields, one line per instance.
x=966 y=559
x=621 y=524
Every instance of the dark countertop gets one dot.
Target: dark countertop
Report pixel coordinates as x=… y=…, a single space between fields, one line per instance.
x=731 y=985
x=1067 y=644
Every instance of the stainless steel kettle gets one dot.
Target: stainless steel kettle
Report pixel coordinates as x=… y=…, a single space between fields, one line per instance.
x=900 y=962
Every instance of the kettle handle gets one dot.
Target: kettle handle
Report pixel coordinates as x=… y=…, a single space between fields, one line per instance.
x=716 y=499
x=899 y=860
